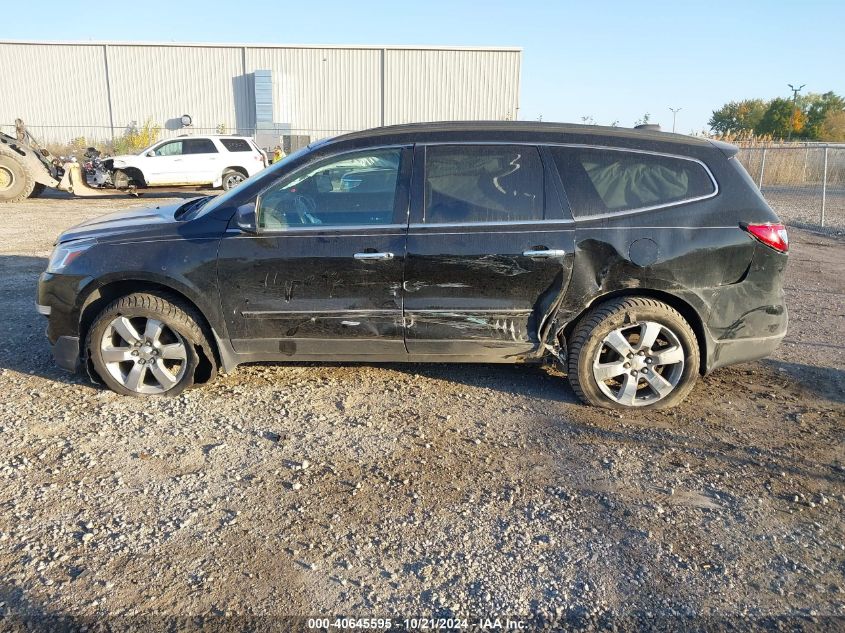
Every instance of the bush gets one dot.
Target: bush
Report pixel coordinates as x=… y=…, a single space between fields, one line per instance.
x=136 y=138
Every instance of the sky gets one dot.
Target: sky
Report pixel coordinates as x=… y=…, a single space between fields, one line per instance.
x=613 y=61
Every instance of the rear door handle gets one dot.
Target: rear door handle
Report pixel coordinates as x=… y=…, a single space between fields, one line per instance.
x=373 y=256
x=545 y=253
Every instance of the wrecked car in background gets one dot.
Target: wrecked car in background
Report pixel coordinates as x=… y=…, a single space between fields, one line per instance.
x=219 y=161
x=639 y=259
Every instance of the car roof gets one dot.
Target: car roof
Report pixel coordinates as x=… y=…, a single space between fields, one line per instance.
x=217 y=136
x=518 y=131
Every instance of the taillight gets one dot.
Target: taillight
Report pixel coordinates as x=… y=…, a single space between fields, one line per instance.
x=772 y=235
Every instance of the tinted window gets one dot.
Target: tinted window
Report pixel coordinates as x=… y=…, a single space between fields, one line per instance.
x=602 y=181
x=198 y=146
x=236 y=144
x=173 y=148
x=352 y=189
x=483 y=183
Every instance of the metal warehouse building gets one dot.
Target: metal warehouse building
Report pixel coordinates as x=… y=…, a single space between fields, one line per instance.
x=96 y=89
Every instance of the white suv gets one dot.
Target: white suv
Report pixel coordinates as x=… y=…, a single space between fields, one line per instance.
x=219 y=161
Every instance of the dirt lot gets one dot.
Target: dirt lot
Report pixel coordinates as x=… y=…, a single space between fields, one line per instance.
x=421 y=490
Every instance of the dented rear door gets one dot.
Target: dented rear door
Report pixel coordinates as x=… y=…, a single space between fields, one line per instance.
x=489 y=251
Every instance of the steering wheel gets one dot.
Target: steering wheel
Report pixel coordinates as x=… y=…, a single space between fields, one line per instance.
x=290 y=209
x=305 y=206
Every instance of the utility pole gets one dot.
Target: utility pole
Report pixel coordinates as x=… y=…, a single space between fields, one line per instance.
x=674 y=115
x=795 y=92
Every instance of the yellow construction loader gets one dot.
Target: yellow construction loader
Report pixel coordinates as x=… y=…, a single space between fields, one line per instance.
x=26 y=169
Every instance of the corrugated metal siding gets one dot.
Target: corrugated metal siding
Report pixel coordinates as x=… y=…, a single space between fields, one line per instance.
x=331 y=90
x=163 y=83
x=263 y=84
x=316 y=91
x=432 y=85
x=52 y=85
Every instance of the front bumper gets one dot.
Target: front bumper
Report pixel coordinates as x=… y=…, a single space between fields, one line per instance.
x=66 y=353
x=56 y=300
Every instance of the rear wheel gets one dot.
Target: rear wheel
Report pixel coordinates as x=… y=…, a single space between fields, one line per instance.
x=16 y=181
x=231 y=179
x=633 y=352
x=146 y=345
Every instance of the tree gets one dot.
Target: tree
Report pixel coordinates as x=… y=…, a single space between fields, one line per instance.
x=818 y=108
x=778 y=119
x=643 y=120
x=833 y=126
x=737 y=117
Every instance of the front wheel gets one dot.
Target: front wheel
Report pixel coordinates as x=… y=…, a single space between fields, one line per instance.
x=146 y=345
x=16 y=181
x=633 y=352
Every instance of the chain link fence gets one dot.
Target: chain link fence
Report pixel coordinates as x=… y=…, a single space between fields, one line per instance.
x=69 y=140
x=803 y=183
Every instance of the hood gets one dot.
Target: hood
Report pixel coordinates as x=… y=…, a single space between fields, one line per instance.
x=122 y=158
x=137 y=223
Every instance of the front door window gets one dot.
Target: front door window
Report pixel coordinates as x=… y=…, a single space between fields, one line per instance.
x=357 y=188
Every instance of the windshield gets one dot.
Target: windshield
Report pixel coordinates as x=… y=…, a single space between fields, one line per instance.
x=223 y=199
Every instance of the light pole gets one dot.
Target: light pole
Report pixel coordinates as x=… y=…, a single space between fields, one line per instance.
x=795 y=92
x=674 y=115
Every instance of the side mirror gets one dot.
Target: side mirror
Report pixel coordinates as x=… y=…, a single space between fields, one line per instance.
x=245 y=217
x=151 y=153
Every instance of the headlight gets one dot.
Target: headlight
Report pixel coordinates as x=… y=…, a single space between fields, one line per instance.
x=64 y=254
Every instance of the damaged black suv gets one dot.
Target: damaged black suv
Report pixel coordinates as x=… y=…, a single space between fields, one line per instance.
x=638 y=259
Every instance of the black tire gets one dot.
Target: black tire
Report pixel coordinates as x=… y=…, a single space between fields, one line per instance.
x=231 y=179
x=16 y=181
x=587 y=346
x=180 y=321
x=121 y=179
x=37 y=190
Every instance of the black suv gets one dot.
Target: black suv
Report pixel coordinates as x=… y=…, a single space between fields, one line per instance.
x=638 y=259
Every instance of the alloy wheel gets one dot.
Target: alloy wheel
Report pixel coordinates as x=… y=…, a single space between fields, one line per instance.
x=233 y=180
x=143 y=354
x=639 y=364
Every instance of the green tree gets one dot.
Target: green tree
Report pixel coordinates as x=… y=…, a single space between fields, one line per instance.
x=778 y=118
x=738 y=116
x=833 y=127
x=818 y=108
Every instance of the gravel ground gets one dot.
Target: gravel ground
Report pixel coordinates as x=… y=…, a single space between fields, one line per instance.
x=421 y=490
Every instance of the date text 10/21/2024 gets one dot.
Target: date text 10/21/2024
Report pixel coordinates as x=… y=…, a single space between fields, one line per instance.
x=408 y=624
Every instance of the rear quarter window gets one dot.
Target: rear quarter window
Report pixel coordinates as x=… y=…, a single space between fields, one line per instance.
x=236 y=144
x=599 y=181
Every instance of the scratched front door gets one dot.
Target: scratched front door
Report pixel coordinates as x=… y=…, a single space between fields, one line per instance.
x=490 y=251
x=323 y=275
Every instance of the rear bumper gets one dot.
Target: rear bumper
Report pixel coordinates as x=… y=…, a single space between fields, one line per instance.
x=731 y=352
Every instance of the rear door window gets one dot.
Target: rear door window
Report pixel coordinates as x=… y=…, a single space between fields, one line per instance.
x=599 y=181
x=236 y=144
x=198 y=146
x=483 y=183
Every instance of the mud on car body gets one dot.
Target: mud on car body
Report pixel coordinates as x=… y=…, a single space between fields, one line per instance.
x=639 y=259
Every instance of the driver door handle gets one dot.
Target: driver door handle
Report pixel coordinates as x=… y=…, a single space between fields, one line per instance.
x=545 y=253
x=373 y=256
